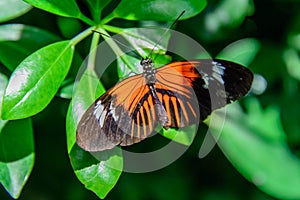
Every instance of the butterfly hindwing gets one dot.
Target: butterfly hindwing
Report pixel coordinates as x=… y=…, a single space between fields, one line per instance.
x=205 y=85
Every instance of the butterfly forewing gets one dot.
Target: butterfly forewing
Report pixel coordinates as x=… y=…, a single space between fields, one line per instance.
x=122 y=116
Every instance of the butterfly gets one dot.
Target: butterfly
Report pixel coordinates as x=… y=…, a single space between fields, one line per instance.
x=176 y=95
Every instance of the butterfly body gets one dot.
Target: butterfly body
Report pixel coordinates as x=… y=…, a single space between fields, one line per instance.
x=149 y=73
x=176 y=95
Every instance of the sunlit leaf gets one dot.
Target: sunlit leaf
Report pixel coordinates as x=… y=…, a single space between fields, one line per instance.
x=63 y=8
x=183 y=135
x=36 y=80
x=11 y=9
x=3 y=84
x=99 y=172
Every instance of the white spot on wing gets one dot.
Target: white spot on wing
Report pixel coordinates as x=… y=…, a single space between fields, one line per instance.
x=218 y=71
x=206 y=79
x=98 y=112
x=112 y=111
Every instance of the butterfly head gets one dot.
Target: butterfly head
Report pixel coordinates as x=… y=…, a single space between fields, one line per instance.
x=146 y=61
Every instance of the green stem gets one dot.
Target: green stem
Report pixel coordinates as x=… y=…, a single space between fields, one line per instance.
x=113 y=29
x=82 y=36
x=108 y=18
x=86 y=20
x=97 y=15
x=93 y=52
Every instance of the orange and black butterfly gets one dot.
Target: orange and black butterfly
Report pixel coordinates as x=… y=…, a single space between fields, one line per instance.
x=131 y=110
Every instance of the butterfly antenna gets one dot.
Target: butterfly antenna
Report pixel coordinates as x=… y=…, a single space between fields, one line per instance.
x=117 y=41
x=166 y=31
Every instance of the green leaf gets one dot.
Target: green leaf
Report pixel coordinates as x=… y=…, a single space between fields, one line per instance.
x=293 y=33
x=16 y=154
x=229 y=13
x=124 y=62
x=99 y=172
x=63 y=8
x=96 y=6
x=158 y=9
x=86 y=91
x=183 y=135
x=17 y=41
x=3 y=84
x=11 y=9
x=36 y=80
x=242 y=51
x=143 y=40
x=255 y=144
x=292 y=62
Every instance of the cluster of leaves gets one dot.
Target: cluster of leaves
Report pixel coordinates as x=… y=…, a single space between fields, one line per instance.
x=40 y=71
x=42 y=65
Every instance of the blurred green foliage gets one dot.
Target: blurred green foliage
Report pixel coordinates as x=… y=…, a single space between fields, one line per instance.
x=258 y=154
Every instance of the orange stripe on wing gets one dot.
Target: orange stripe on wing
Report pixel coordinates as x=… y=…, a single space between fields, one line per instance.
x=136 y=96
x=176 y=111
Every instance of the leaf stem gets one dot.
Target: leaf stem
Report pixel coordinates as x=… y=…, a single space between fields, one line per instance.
x=86 y=20
x=81 y=36
x=108 y=18
x=113 y=29
x=93 y=51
